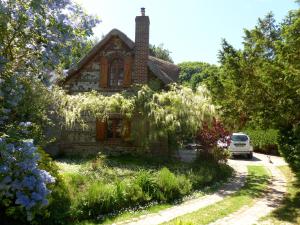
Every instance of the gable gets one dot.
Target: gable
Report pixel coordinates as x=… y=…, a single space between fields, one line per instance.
x=86 y=75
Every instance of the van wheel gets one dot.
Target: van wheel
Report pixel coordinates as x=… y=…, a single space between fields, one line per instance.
x=250 y=155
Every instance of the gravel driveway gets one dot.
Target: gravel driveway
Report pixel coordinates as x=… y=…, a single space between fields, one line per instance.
x=263 y=206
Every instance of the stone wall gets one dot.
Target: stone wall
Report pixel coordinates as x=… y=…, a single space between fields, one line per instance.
x=87 y=80
x=89 y=76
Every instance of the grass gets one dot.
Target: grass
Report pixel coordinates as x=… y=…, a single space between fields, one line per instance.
x=112 y=189
x=127 y=215
x=256 y=183
x=289 y=212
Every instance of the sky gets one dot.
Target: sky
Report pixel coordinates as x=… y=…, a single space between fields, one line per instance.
x=191 y=29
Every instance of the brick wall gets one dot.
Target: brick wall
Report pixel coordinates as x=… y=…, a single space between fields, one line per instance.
x=141 y=49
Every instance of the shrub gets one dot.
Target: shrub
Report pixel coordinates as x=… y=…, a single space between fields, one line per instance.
x=99 y=198
x=23 y=185
x=289 y=146
x=145 y=180
x=265 y=141
x=209 y=135
x=58 y=210
x=170 y=186
x=220 y=155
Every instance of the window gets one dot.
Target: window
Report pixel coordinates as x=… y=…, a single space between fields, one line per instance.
x=114 y=128
x=116 y=73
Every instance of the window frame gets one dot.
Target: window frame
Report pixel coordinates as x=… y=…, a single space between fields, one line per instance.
x=114 y=79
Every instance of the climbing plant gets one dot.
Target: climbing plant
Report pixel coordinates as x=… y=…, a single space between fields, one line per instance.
x=174 y=113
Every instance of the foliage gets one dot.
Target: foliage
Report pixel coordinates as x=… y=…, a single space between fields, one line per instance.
x=36 y=35
x=59 y=195
x=16 y=94
x=160 y=52
x=264 y=140
x=37 y=38
x=105 y=198
x=258 y=83
x=175 y=113
x=171 y=186
x=108 y=185
x=208 y=136
x=220 y=155
x=194 y=73
x=23 y=185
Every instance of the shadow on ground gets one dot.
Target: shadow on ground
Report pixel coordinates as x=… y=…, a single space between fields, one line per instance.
x=244 y=158
x=290 y=210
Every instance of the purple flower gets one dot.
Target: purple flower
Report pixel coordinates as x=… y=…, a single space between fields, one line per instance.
x=22 y=199
x=25 y=181
x=29 y=182
x=4 y=169
x=46 y=177
x=37 y=196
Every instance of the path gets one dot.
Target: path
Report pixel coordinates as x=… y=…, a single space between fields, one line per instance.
x=272 y=199
x=247 y=215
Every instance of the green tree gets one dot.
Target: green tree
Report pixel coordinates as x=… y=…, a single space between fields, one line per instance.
x=259 y=86
x=37 y=38
x=194 y=73
x=160 y=52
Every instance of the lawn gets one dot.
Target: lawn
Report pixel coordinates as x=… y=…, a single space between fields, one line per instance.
x=289 y=212
x=256 y=183
x=109 y=189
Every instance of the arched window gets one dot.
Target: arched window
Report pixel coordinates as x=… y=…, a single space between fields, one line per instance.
x=116 y=73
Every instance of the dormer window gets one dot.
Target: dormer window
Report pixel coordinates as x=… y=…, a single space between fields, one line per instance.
x=116 y=73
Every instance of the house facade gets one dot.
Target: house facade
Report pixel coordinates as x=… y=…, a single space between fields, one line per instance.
x=114 y=65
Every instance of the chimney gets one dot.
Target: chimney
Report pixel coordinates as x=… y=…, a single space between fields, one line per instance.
x=141 y=48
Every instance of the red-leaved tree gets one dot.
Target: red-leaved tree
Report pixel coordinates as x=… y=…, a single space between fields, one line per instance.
x=209 y=135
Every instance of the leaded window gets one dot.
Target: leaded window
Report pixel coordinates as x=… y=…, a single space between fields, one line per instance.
x=116 y=73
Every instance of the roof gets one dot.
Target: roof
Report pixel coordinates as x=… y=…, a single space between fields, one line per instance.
x=165 y=71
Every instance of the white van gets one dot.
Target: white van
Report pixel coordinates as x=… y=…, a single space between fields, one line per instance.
x=240 y=145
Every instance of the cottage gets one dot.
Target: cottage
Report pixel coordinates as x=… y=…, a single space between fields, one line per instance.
x=113 y=65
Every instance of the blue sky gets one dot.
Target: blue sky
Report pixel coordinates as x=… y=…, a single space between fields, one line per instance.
x=192 y=29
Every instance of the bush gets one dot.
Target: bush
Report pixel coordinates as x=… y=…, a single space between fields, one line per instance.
x=220 y=155
x=145 y=180
x=289 y=146
x=265 y=141
x=102 y=198
x=27 y=186
x=58 y=210
x=22 y=183
x=169 y=186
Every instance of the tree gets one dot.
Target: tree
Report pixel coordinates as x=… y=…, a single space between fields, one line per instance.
x=259 y=85
x=37 y=38
x=194 y=73
x=160 y=52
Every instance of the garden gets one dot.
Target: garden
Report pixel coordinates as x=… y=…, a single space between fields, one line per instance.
x=103 y=188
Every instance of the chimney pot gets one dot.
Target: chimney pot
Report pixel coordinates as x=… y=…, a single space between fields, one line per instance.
x=143 y=11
